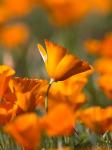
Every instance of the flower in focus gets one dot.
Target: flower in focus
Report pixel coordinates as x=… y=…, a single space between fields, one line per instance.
x=55 y=123
x=6 y=74
x=13 y=35
x=26 y=130
x=69 y=91
x=92 y=117
x=59 y=64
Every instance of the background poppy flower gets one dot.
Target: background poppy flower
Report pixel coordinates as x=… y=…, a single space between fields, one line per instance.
x=56 y=116
x=92 y=117
x=25 y=130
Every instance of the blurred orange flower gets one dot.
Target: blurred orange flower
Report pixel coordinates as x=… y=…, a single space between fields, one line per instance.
x=101 y=6
x=59 y=64
x=97 y=118
x=14 y=35
x=26 y=130
x=105 y=83
x=63 y=12
x=6 y=74
x=15 y=9
x=55 y=123
x=103 y=65
x=101 y=47
x=92 y=46
x=4 y=14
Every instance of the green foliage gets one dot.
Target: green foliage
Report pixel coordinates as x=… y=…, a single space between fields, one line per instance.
x=7 y=143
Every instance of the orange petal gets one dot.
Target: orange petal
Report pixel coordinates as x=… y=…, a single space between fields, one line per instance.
x=69 y=66
x=55 y=123
x=6 y=70
x=26 y=130
x=27 y=92
x=23 y=100
x=92 y=117
x=6 y=73
x=55 y=54
x=43 y=53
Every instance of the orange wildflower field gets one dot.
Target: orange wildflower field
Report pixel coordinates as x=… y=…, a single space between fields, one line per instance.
x=55 y=74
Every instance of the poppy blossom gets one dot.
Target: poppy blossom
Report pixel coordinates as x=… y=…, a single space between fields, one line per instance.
x=64 y=12
x=26 y=92
x=14 y=35
x=107 y=88
x=15 y=8
x=92 y=117
x=25 y=129
x=106 y=63
x=59 y=64
x=55 y=123
x=101 y=47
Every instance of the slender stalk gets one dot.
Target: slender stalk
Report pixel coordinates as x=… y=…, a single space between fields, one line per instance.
x=47 y=94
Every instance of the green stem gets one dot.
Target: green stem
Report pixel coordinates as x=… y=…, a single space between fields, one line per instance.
x=47 y=93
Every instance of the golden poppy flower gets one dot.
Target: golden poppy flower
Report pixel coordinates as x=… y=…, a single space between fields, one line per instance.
x=59 y=64
x=68 y=91
x=63 y=12
x=6 y=73
x=92 y=46
x=22 y=95
x=103 y=84
x=106 y=63
x=26 y=130
x=101 y=47
x=92 y=117
x=26 y=92
x=14 y=35
x=55 y=123
x=101 y=6
x=15 y=8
